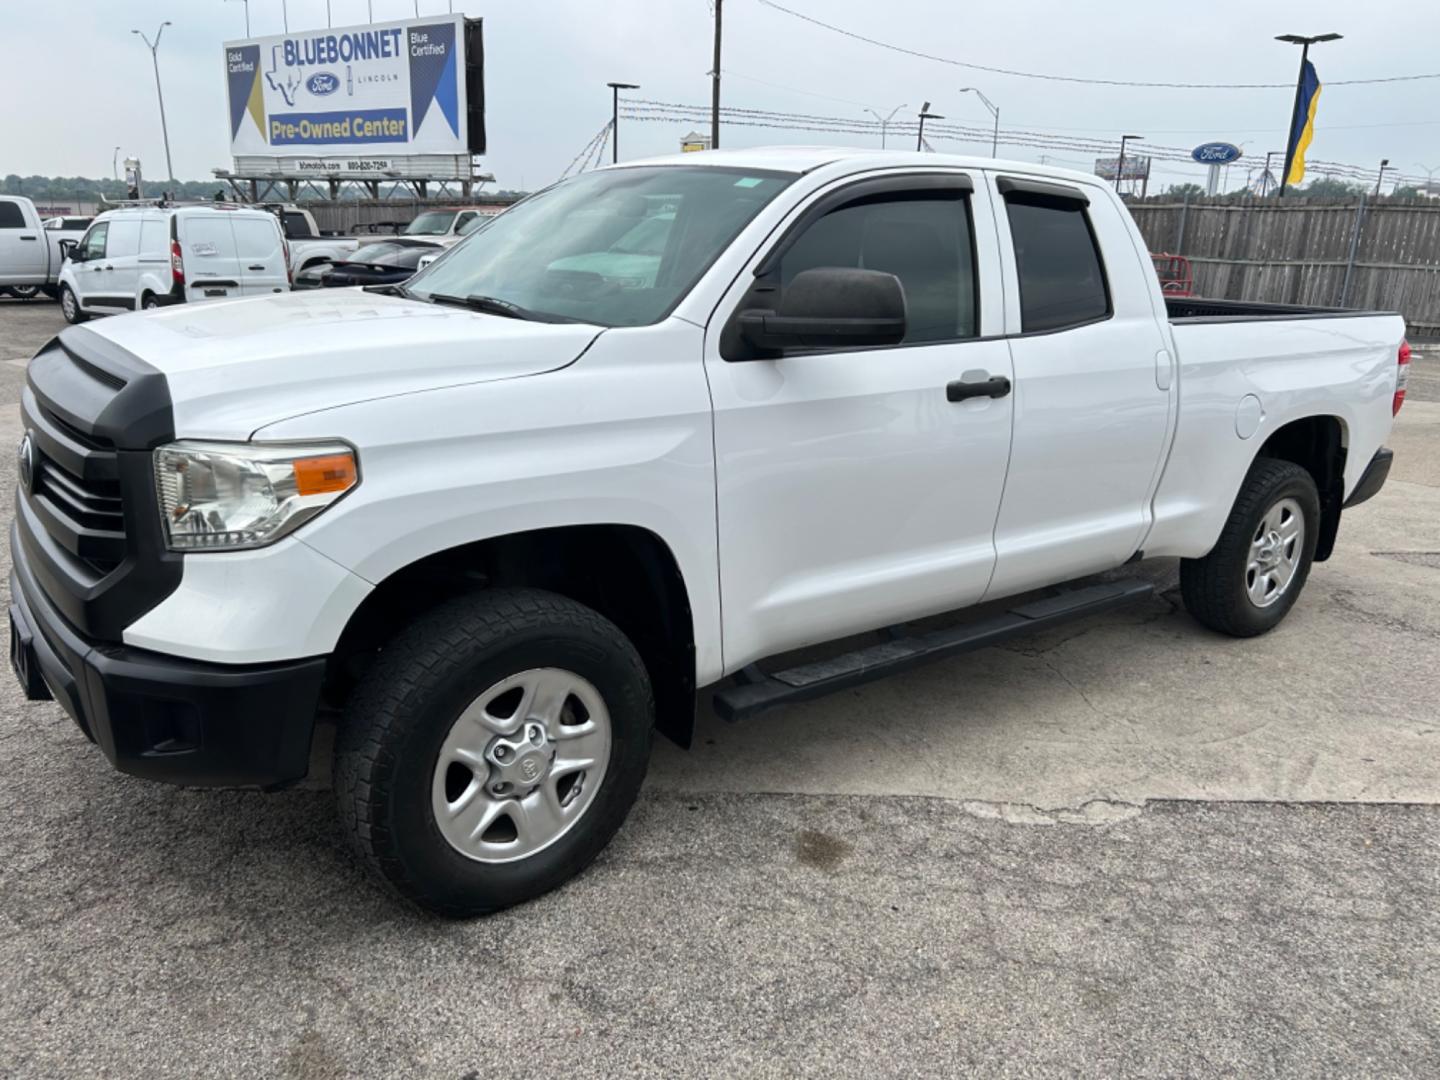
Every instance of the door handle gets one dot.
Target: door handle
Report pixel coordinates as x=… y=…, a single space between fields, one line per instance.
x=27 y=238
x=997 y=386
x=255 y=268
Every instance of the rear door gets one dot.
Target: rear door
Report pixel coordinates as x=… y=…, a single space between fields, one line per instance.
x=261 y=252
x=207 y=245
x=23 y=255
x=1093 y=385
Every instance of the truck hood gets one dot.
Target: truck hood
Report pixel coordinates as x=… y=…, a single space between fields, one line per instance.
x=236 y=366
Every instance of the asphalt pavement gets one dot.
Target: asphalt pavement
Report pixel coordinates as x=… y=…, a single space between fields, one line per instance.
x=1124 y=847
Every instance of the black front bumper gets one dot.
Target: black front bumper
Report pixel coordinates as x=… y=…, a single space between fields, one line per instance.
x=162 y=717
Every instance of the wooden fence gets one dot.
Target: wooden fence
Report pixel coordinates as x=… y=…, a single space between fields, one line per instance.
x=1355 y=253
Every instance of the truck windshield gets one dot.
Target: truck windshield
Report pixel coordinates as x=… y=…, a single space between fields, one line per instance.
x=618 y=247
x=431 y=223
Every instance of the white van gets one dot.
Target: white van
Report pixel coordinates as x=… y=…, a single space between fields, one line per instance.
x=153 y=256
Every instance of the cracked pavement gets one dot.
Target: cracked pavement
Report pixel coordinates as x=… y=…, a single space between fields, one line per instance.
x=1122 y=847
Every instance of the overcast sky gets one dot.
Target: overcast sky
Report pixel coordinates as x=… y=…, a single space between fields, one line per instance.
x=76 y=82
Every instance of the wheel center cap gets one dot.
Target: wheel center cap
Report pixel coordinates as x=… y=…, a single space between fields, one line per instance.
x=1270 y=550
x=520 y=762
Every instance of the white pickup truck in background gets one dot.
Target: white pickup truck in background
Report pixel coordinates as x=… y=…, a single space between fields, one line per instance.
x=309 y=247
x=508 y=517
x=30 y=257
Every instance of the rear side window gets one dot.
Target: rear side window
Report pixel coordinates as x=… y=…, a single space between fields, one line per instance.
x=124 y=238
x=297 y=225
x=208 y=236
x=154 y=238
x=1062 y=279
x=256 y=239
x=10 y=216
x=924 y=239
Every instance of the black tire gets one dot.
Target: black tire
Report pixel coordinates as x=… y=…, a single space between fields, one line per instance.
x=1215 y=588
x=149 y=302
x=70 y=306
x=404 y=707
x=25 y=292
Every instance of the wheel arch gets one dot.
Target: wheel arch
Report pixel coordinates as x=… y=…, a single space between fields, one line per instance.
x=625 y=572
x=1318 y=443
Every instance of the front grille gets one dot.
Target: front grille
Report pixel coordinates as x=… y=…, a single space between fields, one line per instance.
x=87 y=519
x=75 y=491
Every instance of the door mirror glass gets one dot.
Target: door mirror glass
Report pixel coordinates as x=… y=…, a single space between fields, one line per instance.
x=830 y=307
x=70 y=249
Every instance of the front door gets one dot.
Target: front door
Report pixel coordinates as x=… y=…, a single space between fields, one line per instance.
x=851 y=492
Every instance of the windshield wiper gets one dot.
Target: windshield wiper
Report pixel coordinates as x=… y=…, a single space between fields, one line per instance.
x=493 y=305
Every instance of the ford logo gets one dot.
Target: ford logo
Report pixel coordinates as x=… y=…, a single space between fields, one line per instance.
x=322 y=83
x=1216 y=153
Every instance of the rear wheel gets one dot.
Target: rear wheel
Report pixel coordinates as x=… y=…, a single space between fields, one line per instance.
x=149 y=302
x=25 y=292
x=70 y=306
x=1254 y=574
x=493 y=749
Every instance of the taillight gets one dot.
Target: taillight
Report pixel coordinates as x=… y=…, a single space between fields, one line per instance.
x=1402 y=376
x=177 y=263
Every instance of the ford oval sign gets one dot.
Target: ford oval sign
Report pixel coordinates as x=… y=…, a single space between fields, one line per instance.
x=1216 y=153
x=322 y=83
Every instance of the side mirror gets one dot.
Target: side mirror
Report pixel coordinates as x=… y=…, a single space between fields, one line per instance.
x=830 y=307
x=70 y=249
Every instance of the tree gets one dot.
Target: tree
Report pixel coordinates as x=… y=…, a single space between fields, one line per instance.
x=1327 y=187
x=1194 y=191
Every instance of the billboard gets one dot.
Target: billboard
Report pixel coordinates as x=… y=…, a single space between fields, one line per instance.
x=1136 y=168
x=354 y=100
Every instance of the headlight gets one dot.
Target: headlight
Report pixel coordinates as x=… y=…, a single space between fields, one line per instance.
x=225 y=496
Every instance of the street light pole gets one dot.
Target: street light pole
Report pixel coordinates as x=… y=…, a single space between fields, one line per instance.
x=884 y=121
x=1120 y=165
x=925 y=114
x=1265 y=179
x=154 y=59
x=615 y=88
x=1304 y=43
x=1384 y=164
x=994 y=110
x=115 y=163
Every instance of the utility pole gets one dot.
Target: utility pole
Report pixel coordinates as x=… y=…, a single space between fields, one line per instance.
x=164 y=130
x=615 y=88
x=715 y=84
x=925 y=114
x=884 y=120
x=1120 y=165
x=1384 y=163
x=994 y=110
x=1304 y=43
x=329 y=23
x=285 y=13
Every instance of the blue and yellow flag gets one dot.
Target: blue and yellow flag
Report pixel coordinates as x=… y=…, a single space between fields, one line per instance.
x=1303 y=130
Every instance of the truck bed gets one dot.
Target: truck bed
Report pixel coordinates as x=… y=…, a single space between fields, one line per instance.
x=1192 y=310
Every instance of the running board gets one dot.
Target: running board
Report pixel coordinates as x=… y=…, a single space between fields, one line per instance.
x=755 y=691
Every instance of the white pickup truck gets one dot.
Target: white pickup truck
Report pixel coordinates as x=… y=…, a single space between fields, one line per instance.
x=308 y=246
x=30 y=257
x=506 y=519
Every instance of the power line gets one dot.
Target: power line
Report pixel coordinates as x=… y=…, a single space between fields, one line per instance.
x=1070 y=78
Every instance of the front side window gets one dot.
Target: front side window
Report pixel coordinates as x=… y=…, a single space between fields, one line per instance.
x=618 y=247
x=1062 y=280
x=923 y=238
x=93 y=246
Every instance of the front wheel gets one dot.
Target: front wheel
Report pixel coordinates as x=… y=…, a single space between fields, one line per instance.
x=493 y=749
x=70 y=306
x=25 y=292
x=1253 y=575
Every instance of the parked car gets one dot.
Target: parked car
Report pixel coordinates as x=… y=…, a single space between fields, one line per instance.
x=450 y=225
x=508 y=516
x=309 y=247
x=29 y=264
x=383 y=262
x=155 y=256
